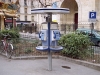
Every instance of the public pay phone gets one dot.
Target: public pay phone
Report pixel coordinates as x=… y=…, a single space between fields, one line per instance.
x=54 y=36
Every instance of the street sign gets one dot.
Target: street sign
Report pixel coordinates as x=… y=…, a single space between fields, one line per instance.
x=92 y=16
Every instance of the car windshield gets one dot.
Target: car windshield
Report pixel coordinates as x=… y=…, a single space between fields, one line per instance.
x=97 y=31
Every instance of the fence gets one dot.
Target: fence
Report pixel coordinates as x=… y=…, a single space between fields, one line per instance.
x=27 y=47
x=27 y=28
x=95 y=53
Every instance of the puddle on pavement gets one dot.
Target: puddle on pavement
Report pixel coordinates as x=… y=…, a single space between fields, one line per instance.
x=67 y=67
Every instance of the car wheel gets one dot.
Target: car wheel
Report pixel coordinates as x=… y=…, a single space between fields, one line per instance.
x=99 y=44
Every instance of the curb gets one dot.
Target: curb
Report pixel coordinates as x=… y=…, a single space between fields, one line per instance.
x=76 y=61
x=81 y=62
x=34 y=57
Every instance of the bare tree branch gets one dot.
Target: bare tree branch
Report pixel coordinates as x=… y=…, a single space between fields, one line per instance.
x=41 y=3
x=44 y=5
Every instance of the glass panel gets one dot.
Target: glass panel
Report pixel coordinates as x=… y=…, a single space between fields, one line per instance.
x=53 y=26
x=25 y=10
x=25 y=18
x=32 y=18
x=25 y=2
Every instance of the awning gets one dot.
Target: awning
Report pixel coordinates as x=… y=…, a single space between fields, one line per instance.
x=7 y=14
x=24 y=22
x=11 y=15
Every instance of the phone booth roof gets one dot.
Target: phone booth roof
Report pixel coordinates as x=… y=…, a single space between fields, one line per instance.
x=50 y=10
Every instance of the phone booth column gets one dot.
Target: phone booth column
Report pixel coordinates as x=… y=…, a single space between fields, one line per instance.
x=49 y=51
x=49 y=35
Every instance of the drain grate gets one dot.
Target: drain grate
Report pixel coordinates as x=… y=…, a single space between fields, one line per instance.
x=67 y=67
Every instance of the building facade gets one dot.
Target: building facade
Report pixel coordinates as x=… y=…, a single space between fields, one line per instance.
x=79 y=13
x=8 y=11
x=77 y=18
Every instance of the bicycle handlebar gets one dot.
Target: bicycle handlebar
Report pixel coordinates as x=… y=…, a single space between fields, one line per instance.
x=6 y=35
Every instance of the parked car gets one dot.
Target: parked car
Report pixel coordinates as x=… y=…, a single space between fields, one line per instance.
x=94 y=35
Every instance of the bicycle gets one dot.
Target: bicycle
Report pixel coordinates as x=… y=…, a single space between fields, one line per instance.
x=6 y=46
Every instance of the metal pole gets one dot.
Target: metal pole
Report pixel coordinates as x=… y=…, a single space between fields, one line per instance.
x=12 y=23
x=49 y=51
x=92 y=27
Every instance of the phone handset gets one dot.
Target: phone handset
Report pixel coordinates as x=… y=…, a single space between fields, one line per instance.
x=40 y=34
x=59 y=34
x=54 y=35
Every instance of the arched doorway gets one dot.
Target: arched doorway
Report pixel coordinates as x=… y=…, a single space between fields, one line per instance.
x=71 y=19
x=75 y=21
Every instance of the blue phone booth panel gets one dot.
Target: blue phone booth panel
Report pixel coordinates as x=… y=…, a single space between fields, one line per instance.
x=55 y=35
x=43 y=35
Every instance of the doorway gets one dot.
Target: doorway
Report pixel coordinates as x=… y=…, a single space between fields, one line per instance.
x=75 y=21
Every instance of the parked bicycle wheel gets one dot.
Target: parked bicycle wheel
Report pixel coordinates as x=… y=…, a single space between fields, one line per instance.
x=1 y=47
x=9 y=51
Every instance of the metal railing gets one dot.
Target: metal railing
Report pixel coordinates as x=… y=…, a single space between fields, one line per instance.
x=26 y=46
x=94 y=56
